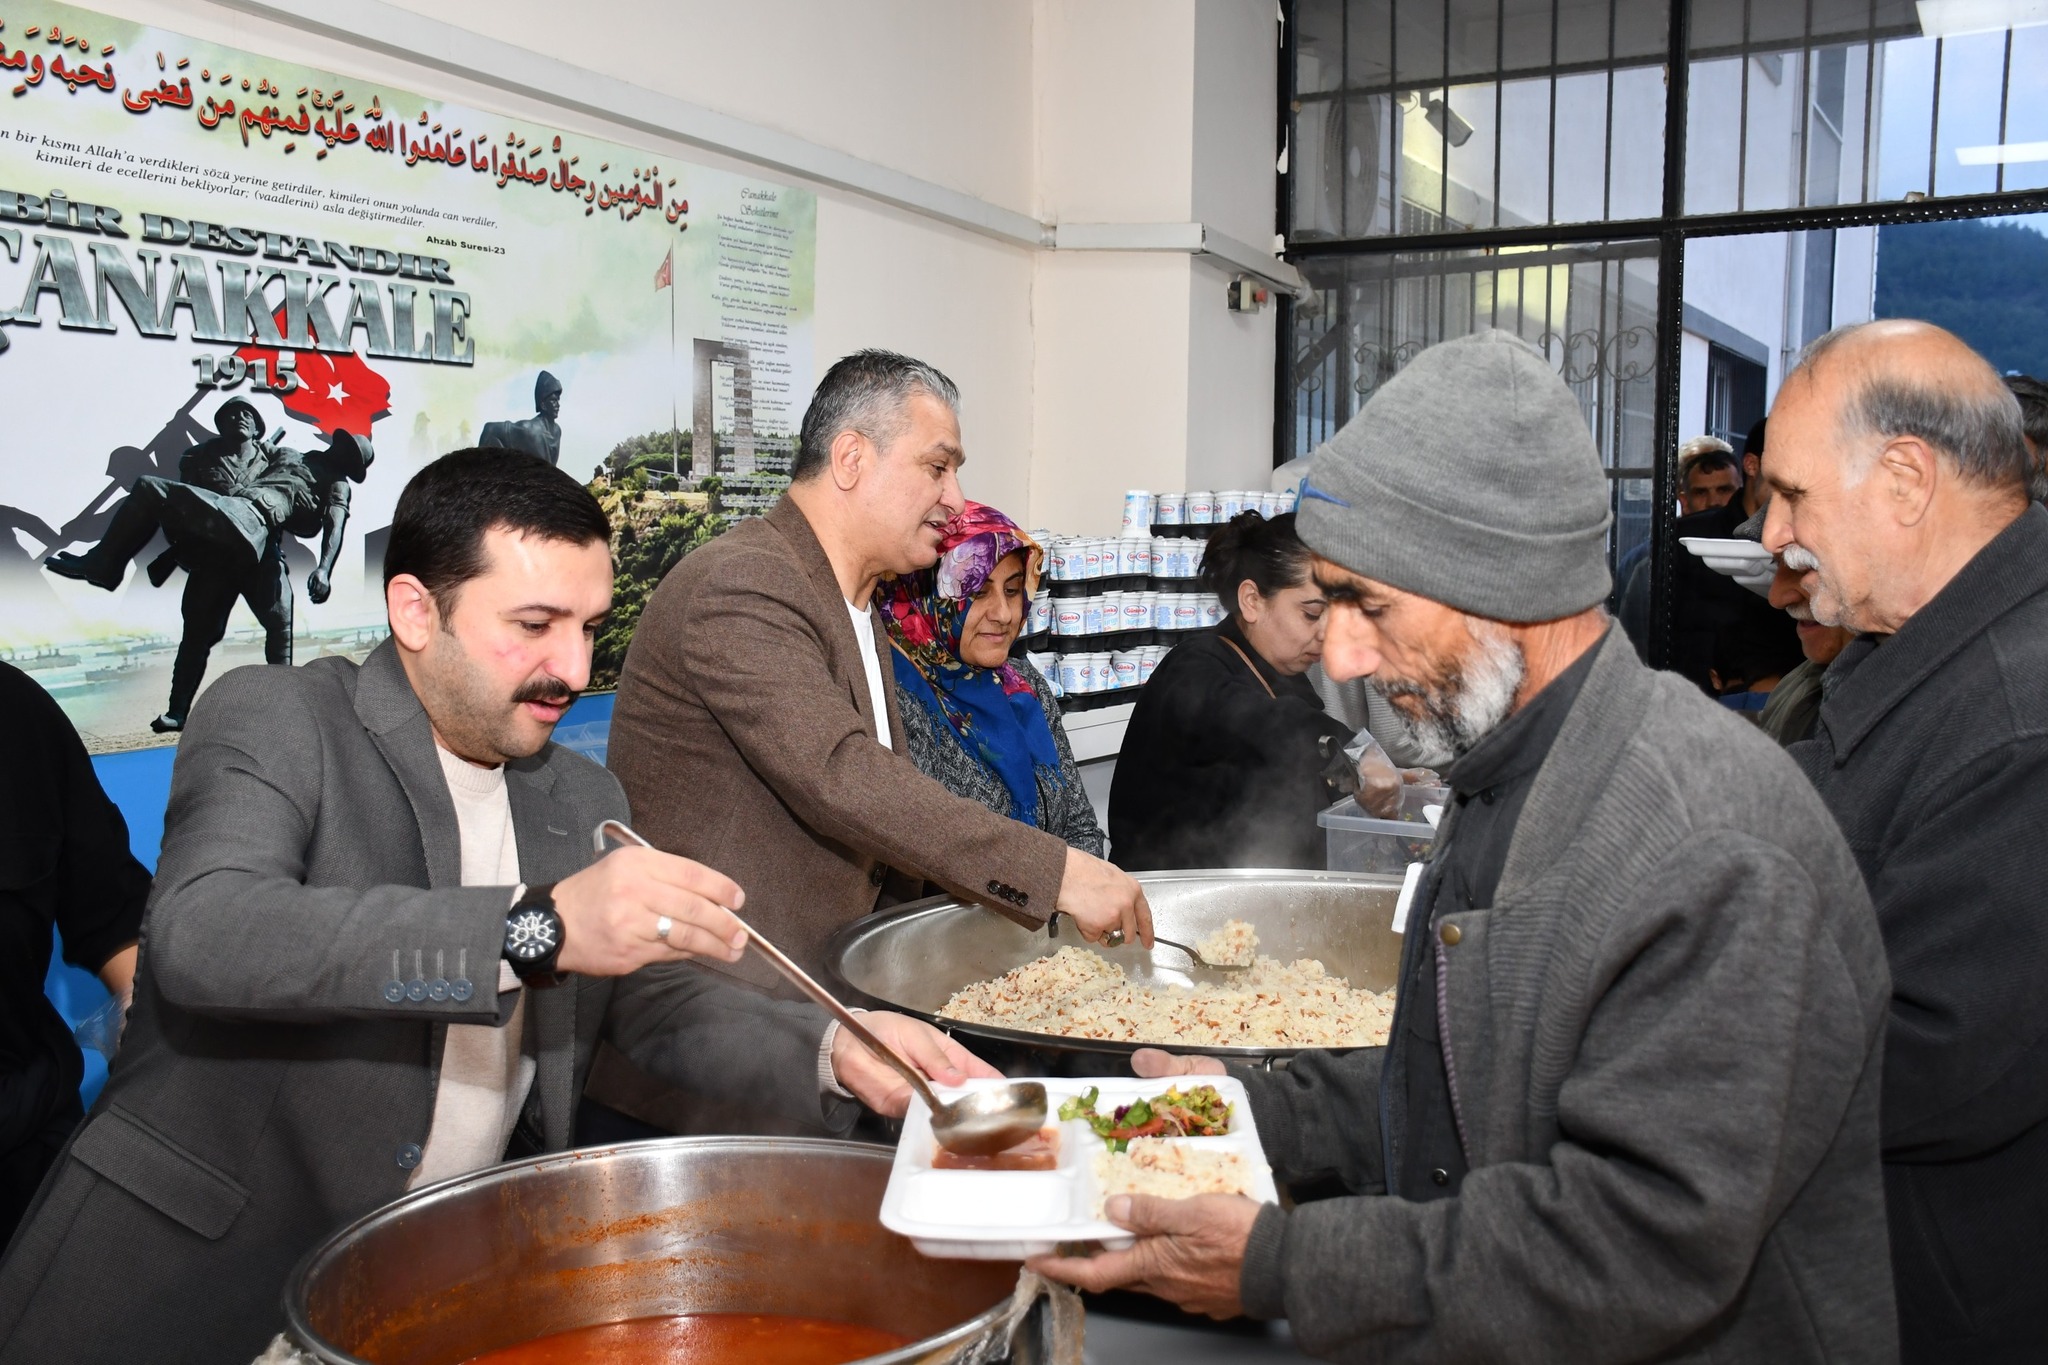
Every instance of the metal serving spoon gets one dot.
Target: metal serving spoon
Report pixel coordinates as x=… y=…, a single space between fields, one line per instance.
x=1115 y=937
x=979 y=1124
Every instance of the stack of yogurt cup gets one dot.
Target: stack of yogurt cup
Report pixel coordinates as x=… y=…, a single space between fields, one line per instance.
x=1099 y=671
x=1115 y=613
x=1176 y=557
x=1073 y=559
x=1135 y=586
x=1205 y=507
x=1038 y=620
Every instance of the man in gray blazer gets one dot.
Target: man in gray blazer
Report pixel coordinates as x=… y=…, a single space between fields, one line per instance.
x=378 y=950
x=1629 y=1108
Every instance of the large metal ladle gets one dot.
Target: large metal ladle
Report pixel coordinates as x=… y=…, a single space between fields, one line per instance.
x=979 y=1124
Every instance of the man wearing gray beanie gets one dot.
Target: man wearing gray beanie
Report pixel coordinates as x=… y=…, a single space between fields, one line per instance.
x=1629 y=1109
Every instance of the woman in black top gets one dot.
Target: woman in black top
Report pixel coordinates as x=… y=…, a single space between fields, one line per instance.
x=1229 y=753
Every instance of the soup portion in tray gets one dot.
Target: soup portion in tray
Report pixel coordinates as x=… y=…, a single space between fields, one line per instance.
x=1077 y=993
x=703 y=1339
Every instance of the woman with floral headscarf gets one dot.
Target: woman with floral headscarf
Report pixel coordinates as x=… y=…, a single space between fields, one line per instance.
x=983 y=724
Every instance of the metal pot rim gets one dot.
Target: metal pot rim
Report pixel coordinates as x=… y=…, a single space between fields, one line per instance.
x=307 y=1341
x=847 y=935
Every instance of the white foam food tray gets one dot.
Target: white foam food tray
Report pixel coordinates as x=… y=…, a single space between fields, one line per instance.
x=1745 y=561
x=1009 y=1215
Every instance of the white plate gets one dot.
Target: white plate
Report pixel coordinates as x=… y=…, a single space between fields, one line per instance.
x=1728 y=556
x=1009 y=1215
x=1745 y=561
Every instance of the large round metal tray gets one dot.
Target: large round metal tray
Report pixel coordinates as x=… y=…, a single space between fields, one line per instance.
x=913 y=959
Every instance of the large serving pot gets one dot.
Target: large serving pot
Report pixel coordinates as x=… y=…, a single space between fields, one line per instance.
x=914 y=959
x=682 y=1225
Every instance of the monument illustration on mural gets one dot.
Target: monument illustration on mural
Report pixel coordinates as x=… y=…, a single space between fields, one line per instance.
x=226 y=516
x=706 y=354
x=539 y=434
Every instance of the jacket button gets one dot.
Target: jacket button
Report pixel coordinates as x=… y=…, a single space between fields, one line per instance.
x=1439 y=1176
x=437 y=989
x=460 y=989
x=877 y=875
x=416 y=990
x=408 y=1156
x=1450 y=934
x=394 y=991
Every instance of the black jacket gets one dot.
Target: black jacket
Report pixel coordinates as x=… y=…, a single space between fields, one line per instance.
x=1716 y=623
x=1932 y=753
x=64 y=862
x=1216 y=773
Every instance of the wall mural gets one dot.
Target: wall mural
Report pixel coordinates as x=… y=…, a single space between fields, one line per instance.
x=241 y=302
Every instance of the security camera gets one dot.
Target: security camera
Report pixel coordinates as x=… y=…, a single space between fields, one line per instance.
x=1445 y=120
x=1246 y=295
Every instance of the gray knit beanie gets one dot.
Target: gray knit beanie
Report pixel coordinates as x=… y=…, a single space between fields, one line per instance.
x=1470 y=479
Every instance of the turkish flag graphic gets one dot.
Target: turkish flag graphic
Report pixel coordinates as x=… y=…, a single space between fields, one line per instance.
x=334 y=393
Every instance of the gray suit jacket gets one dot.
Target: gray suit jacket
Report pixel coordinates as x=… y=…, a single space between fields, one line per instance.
x=1663 y=1041
x=306 y=945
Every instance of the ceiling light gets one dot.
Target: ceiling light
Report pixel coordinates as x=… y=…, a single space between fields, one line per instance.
x=2006 y=153
x=1953 y=18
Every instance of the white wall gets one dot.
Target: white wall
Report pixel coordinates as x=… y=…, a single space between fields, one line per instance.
x=1236 y=75
x=963 y=302
x=1115 y=109
x=1113 y=378
x=1150 y=111
x=1230 y=355
x=1081 y=374
x=1741 y=281
x=1855 y=274
x=1116 y=145
x=1692 y=386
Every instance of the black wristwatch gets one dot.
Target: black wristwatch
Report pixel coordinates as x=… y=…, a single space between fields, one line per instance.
x=533 y=936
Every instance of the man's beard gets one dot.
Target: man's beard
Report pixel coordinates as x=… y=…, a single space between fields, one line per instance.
x=1476 y=693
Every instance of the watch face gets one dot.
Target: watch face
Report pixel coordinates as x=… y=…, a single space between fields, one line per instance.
x=531 y=934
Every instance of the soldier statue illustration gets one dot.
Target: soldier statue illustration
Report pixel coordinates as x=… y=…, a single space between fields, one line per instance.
x=538 y=434
x=226 y=517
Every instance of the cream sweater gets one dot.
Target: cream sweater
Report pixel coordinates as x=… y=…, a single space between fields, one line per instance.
x=485 y=1072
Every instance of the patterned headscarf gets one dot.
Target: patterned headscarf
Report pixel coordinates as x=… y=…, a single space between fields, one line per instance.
x=994 y=711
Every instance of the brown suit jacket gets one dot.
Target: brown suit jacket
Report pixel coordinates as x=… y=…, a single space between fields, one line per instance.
x=744 y=737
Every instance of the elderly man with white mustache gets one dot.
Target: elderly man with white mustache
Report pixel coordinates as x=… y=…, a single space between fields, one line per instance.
x=1629 y=1111
x=1899 y=473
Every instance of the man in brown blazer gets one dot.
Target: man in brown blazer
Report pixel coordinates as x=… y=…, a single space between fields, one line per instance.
x=754 y=712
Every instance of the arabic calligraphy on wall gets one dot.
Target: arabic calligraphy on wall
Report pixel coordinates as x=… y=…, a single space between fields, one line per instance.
x=335 y=120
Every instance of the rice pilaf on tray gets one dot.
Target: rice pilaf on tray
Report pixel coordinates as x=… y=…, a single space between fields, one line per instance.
x=1077 y=993
x=1168 y=1169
